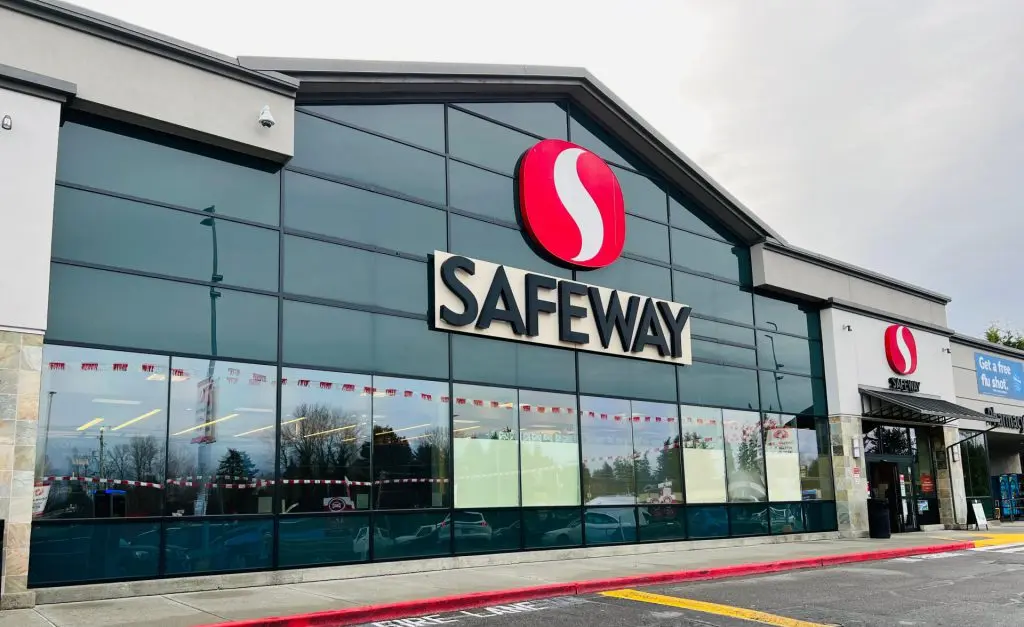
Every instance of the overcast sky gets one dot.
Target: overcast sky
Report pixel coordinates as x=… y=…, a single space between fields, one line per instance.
x=885 y=134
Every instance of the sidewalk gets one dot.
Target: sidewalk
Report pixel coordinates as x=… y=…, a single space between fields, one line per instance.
x=204 y=608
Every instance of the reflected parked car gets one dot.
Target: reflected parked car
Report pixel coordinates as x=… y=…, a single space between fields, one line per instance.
x=470 y=526
x=382 y=542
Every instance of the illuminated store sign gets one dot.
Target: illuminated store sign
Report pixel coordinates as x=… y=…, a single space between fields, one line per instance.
x=483 y=298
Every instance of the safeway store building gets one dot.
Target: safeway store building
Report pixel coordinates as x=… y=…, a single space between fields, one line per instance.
x=279 y=314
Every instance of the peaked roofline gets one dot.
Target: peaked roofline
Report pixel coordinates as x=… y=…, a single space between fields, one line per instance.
x=364 y=79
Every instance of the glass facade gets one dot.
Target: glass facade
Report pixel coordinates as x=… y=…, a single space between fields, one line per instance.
x=239 y=374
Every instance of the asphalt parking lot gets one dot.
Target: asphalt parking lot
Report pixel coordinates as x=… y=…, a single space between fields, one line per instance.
x=975 y=587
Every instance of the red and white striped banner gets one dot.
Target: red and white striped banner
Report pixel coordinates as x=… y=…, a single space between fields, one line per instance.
x=124 y=482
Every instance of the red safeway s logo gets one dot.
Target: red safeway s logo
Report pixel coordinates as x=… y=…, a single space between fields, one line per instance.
x=901 y=349
x=571 y=204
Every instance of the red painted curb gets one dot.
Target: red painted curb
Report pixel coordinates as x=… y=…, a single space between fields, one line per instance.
x=421 y=607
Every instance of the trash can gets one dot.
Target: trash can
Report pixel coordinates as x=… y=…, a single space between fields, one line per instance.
x=878 y=518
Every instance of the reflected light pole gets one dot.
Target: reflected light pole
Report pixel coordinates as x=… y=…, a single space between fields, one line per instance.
x=778 y=377
x=203 y=460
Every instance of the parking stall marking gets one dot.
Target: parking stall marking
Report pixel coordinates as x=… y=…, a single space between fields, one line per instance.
x=711 y=608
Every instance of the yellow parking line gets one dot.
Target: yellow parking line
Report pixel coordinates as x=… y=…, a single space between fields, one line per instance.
x=710 y=608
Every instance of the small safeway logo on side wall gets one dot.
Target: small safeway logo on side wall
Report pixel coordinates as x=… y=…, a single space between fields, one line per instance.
x=571 y=204
x=901 y=349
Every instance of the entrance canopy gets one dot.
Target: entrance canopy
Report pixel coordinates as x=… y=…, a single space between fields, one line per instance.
x=899 y=406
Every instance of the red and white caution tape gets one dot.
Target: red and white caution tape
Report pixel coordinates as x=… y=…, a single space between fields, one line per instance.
x=125 y=482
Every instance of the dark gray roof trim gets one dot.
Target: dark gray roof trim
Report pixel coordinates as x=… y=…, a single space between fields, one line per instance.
x=34 y=84
x=366 y=79
x=985 y=345
x=108 y=28
x=878 y=314
x=852 y=270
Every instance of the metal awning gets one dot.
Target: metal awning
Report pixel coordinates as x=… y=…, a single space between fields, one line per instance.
x=899 y=406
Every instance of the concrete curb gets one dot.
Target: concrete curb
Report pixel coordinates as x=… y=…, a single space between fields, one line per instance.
x=419 y=607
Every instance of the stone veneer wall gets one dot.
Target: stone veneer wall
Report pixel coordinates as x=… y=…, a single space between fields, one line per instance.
x=850 y=476
x=20 y=360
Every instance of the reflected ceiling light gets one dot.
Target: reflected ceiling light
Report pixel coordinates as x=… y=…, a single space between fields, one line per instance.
x=254 y=410
x=136 y=419
x=90 y=423
x=468 y=422
x=309 y=435
x=156 y=377
x=286 y=422
x=426 y=424
x=465 y=429
x=200 y=426
x=115 y=401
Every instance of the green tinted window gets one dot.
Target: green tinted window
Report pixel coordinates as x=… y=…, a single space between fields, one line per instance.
x=713 y=298
x=352 y=275
x=498 y=244
x=631 y=378
x=110 y=231
x=632 y=276
x=711 y=256
x=480 y=191
x=646 y=238
x=334 y=149
x=512 y=363
x=421 y=124
x=719 y=386
x=99 y=307
x=485 y=143
x=723 y=353
x=144 y=169
x=784 y=352
x=792 y=394
x=546 y=119
x=721 y=331
x=779 y=315
x=685 y=215
x=643 y=197
x=587 y=133
x=319 y=206
x=330 y=337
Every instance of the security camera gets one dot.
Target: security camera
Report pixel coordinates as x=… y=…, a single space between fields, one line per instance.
x=266 y=119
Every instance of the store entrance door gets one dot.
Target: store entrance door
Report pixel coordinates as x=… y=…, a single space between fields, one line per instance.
x=893 y=480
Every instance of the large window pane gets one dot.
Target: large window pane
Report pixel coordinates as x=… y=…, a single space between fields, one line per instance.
x=546 y=119
x=608 y=468
x=498 y=244
x=603 y=374
x=609 y=525
x=222 y=438
x=815 y=458
x=662 y=523
x=482 y=192
x=744 y=456
x=411 y=447
x=110 y=231
x=550 y=449
x=703 y=454
x=712 y=298
x=786 y=518
x=792 y=393
x=711 y=256
x=336 y=272
x=656 y=451
x=330 y=148
x=487 y=531
x=975 y=456
x=721 y=331
x=90 y=551
x=633 y=276
x=331 y=337
x=421 y=124
x=642 y=196
x=402 y=536
x=325 y=437
x=821 y=515
x=101 y=440
x=485 y=426
x=781 y=457
x=219 y=544
x=779 y=315
x=484 y=143
x=549 y=528
x=784 y=352
x=707 y=522
x=646 y=238
x=685 y=215
x=142 y=168
x=322 y=540
x=749 y=519
x=587 y=133
x=722 y=386
x=512 y=363
x=335 y=210
x=723 y=353
x=125 y=310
